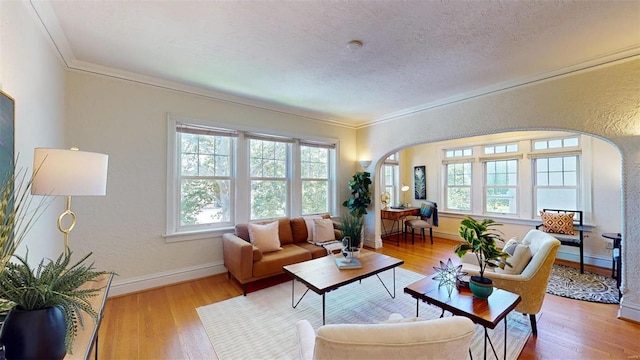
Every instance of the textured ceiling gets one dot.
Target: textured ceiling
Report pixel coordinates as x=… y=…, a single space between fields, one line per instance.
x=292 y=55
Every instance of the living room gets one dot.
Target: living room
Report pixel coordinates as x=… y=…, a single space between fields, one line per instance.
x=58 y=106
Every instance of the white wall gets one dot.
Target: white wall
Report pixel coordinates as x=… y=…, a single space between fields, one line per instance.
x=31 y=73
x=128 y=121
x=604 y=101
x=606 y=202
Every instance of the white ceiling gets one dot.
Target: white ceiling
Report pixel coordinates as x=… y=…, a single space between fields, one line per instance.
x=292 y=56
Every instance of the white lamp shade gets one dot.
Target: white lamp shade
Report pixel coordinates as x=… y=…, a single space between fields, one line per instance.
x=69 y=172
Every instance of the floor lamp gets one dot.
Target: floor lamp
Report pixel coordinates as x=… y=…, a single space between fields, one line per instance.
x=60 y=172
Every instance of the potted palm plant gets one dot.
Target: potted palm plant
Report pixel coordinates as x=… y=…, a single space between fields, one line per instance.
x=479 y=238
x=48 y=298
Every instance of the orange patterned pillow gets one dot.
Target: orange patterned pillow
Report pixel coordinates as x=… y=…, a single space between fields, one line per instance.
x=559 y=223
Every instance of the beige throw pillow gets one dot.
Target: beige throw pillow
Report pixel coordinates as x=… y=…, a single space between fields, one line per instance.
x=308 y=220
x=559 y=223
x=519 y=259
x=265 y=236
x=323 y=230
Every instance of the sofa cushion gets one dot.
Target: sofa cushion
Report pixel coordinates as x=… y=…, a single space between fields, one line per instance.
x=284 y=230
x=272 y=263
x=265 y=236
x=308 y=220
x=519 y=258
x=299 y=230
x=559 y=223
x=323 y=230
x=315 y=250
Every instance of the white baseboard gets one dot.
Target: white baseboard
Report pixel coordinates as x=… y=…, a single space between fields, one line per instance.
x=151 y=281
x=629 y=310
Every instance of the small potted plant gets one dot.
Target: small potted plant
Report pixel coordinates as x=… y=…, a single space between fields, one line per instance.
x=48 y=305
x=352 y=233
x=479 y=238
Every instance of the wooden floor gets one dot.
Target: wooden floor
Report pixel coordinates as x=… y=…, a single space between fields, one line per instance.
x=163 y=323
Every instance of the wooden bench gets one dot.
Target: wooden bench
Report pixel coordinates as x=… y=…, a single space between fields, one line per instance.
x=577 y=239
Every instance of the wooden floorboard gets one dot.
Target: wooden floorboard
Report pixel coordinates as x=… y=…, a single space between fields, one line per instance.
x=163 y=324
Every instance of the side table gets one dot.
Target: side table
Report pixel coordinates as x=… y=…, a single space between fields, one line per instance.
x=460 y=301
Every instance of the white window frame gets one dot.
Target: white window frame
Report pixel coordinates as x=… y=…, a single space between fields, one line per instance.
x=486 y=187
x=327 y=180
x=392 y=165
x=240 y=197
x=447 y=187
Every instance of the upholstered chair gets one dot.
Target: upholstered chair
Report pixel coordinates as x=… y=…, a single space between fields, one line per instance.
x=427 y=220
x=411 y=338
x=531 y=282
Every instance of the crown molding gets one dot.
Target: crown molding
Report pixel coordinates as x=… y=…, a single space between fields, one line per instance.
x=51 y=26
x=605 y=60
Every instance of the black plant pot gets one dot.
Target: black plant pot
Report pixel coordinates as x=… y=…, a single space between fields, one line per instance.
x=34 y=334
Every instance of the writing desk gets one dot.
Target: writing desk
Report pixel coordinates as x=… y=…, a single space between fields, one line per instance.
x=397 y=216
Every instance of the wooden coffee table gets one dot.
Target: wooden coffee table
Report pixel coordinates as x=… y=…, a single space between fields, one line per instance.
x=322 y=275
x=487 y=313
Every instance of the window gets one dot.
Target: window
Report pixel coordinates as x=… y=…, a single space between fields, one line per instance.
x=314 y=173
x=570 y=142
x=219 y=176
x=501 y=180
x=556 y=182
x=205 y=159
x=458 y=188
x=269 y=181
x=390 y=178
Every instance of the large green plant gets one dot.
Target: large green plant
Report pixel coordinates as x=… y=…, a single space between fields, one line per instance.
x=360 y=195
x=52 y=284
x=480 y=239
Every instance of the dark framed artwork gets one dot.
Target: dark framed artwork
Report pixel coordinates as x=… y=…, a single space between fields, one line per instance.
x=420 y=182
x=7 y=115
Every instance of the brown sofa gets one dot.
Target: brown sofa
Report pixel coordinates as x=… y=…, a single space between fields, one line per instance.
x=247 y=263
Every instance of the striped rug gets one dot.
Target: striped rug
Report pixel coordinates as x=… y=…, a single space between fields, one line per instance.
x=262 y=324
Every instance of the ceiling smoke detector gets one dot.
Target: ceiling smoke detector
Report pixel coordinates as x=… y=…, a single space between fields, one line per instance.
x=354 y=44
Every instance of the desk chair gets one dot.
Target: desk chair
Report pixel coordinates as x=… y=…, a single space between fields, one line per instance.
x=427 y=220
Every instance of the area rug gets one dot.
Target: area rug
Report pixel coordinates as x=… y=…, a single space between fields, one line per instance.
x=567 y=282
x=261 y=325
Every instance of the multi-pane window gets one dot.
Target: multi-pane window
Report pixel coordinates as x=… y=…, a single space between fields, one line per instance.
x=501 y=186
x=314 y=174
x=390 y=178
x=556 y=182
x=458 y=189
x=268 y=173
x=219 y=177
x=205 y=158
x=500 y=149
x=570 y=142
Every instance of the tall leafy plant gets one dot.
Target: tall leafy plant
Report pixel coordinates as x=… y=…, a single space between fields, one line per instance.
x=360 y=195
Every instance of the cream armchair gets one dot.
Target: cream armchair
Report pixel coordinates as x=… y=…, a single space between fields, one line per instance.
x=413 y=338
x=531 y=283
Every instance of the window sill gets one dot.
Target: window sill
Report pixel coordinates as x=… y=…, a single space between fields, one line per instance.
x=503 y=219
x=196 y=234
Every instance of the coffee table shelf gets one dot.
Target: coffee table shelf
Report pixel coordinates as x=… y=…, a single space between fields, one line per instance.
x=460 y=301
